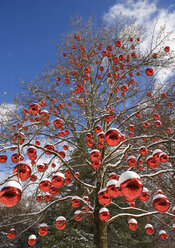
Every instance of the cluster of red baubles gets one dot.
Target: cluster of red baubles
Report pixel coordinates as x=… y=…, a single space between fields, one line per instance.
x=129 y=185
x=112 y=138
x=157 y=157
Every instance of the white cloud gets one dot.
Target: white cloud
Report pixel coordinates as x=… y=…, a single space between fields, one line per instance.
x=152 y=17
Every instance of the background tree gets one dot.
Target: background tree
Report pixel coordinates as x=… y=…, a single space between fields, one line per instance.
x=94 y=121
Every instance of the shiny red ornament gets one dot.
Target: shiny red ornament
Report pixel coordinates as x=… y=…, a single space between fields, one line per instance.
x=158 y=124
x=18 y=138
x=44 y=115
x=10 y=193
x=31 y=151
x=149 y=229
x=156 y=154
x=42 y=102
x=78 y=215
x=130 y=184
x=43 y=229
x=111 y=188
x=35 y=109
x=98 y=129
x=132 y=223
x=95 y=155
x=149 y=71
x=16 y=158
x=151 y=162
x=33 y=178
x=42 y=167
x=113 y=175
x=104 y=214
x=100 y=145
x=104 y=198
x=11 y=234
x=113 y=137
x=90 y=143
x=163 y=235
x=144 y=196
x=75 y=201
x=169 y=130
x=3 y=159
x=167 y=49
x=58 y=123
x=50 y=147
x=96 y=165
x=54 y=191
x=143 y=150
x=131 y=127
x=132 y=161
x=101 y=137
x=163 y=157
x=32 y=240
x=39 y=198
x=156 y=116
x=60 y=222
x=68 y=181
x=45 y=185
x=77 y=174
x=23 y=171
x=146 y=124
x=47 y=197
x=88 y=136
x=161 y=203
x=118 y=43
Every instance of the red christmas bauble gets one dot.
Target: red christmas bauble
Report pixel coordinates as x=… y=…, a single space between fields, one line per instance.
x=132 y=161
x=23 y=171
x=111 y=188
x=43 y=229
x=104 y=214
x=113 y=137
x=35 y=109
x=149 y=229
x=61 y=222
x=45 y=185
x=58 y=180
x=32 y=240
x=144 y=196
x=132 y=223
x=78 y=215
x=95 y=155
x=10 y=193
x=130 y=184
x=104 y=198
x=75 y=201
x=11 y=234
x=161 y=203
x=163 y=235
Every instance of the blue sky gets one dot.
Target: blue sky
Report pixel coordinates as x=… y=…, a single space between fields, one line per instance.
x=29 y=30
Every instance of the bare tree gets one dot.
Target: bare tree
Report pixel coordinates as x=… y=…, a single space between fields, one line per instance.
x=103 y=87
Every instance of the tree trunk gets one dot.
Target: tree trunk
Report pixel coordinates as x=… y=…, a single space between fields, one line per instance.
x=100 y=228
x=100 y=234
